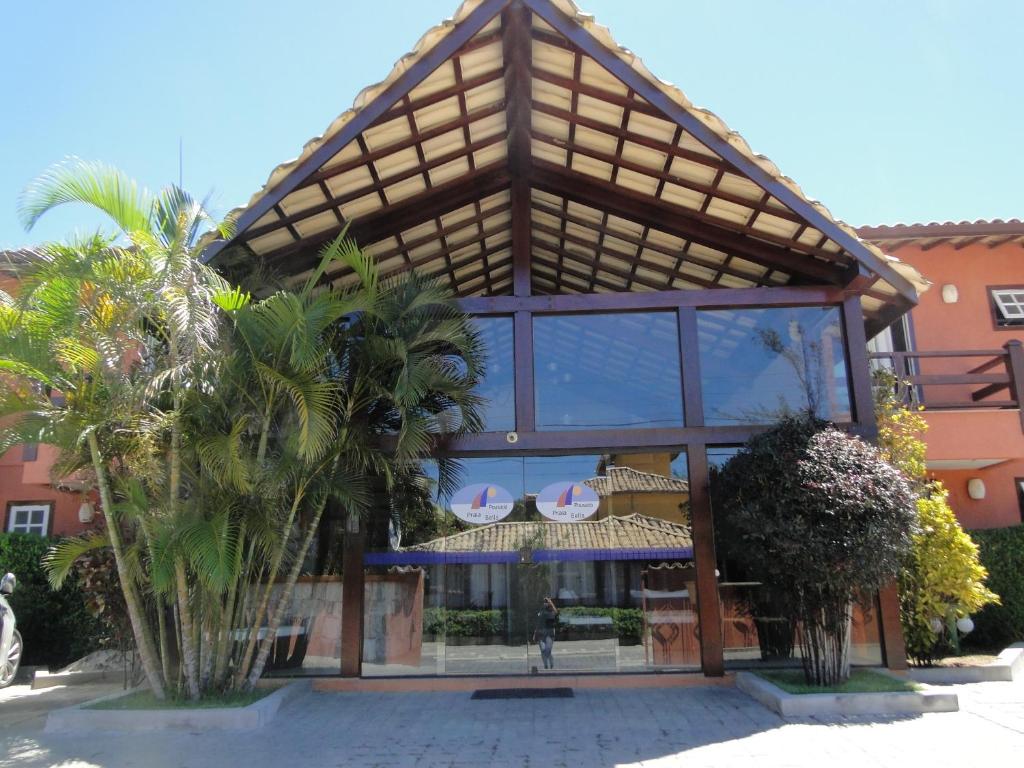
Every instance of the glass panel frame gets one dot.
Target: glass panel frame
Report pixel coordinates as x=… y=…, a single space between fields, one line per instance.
x=564 y=387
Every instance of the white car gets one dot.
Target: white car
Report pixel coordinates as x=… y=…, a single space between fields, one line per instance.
x=10 y=638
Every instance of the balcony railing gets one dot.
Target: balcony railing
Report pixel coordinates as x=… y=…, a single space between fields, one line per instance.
x=959 y=378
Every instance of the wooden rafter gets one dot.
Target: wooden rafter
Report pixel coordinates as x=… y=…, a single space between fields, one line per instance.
x=516 y=50
x=673 y=219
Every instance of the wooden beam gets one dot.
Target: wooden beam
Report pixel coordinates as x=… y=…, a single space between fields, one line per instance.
x=890 y=629
x=447 y=47
x=516 y=50
x=630 y=259
x=462 y=121
x=702 y=526
x=378 y=185
x=622 y=70
x=858 y=368
x=759 y=206
x=645 y=244
x=673 y=219
x=396 y=218
x=522 y=341
x=588 y=261
x=689 y=355
x=352 y=596
x=717 y=298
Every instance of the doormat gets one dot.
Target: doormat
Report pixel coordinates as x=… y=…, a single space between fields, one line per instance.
x=523 y=693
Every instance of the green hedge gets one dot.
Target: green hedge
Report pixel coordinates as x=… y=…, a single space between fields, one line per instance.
x=1002 y=553
x=54 y=625
x=628 y=622
x=463 y=623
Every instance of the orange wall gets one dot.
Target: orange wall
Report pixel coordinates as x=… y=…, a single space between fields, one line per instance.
x=968 y=324
x=999 y=508
x=14 y=488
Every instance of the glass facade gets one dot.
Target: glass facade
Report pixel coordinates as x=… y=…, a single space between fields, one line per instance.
x=498 y=385
x=758 y=365
x=753 y=632
x=607 y=589
x=607 y=371
x=584 y=562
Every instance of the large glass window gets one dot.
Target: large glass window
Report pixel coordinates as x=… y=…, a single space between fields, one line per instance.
x=539 y=588
x=607 y=371
x=758 y=365
x=498 y=385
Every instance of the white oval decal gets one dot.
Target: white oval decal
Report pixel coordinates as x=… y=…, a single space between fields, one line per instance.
x=567 y=502
x=482 y=503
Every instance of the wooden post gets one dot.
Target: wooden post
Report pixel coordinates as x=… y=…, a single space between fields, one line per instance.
x=890 y=631
x=352 y=593
x=1015 y=367
x=859 y=372
x=709 y=611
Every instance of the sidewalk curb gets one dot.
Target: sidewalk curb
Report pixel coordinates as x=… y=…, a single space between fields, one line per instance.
x=838 y=704
x=257 y=715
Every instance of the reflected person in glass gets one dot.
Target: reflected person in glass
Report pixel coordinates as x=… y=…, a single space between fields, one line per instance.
x=544 y=635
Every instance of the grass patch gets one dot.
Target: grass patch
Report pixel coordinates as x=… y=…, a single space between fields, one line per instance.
x=146 y=700
x=861 y=681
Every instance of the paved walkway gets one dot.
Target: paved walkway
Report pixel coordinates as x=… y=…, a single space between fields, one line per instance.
x=600 y=728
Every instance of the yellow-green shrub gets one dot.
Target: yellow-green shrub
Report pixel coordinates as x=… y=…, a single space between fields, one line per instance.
x=942 y=577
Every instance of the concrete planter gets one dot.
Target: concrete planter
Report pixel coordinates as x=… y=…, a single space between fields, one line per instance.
x=1008 y=667
x=838 y=704
x=256 y=715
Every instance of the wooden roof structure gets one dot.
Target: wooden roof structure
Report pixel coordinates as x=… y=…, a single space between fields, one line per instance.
x=518 y=150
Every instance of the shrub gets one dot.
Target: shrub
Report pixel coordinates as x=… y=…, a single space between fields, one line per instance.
x=463 y=623
x=1002 y=553
x=941 y=578
x=54 y=624
x=818 y=515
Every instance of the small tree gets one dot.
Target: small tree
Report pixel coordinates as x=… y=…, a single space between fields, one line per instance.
x=822 y=518
x=942 y=578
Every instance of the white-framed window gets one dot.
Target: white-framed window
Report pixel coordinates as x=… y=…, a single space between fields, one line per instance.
x=1009 y=305
x=29 y=517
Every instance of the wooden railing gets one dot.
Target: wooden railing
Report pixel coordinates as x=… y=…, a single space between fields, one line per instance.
x=959 y=378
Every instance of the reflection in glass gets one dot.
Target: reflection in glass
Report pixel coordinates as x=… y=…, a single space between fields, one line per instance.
x=473 y=599
x=758 y=365
x=607 y=371
x=755 y=628
x=498 y=385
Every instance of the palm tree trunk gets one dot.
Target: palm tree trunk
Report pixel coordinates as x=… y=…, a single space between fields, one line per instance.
x=261 y=610
x=282 y=600
x=188 y=646
x=227 y=616
x=136 y=614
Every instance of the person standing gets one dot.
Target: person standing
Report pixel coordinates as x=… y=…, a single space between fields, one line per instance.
x=547 y=619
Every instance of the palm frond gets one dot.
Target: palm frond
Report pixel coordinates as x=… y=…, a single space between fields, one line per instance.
x=95 y=184
x=59 y=560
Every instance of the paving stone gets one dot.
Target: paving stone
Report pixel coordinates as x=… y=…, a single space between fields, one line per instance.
x=603 y=728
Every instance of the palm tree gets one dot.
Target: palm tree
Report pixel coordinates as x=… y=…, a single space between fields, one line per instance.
x=219 y=427
x=135 y=317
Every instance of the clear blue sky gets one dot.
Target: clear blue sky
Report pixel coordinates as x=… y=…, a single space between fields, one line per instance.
x=885 y=111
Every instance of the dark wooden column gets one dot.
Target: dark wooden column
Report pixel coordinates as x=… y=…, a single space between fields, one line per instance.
x=890 y=630
x=894 y=651
x=517 y=49
x=712 y=660
x=352 y=595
